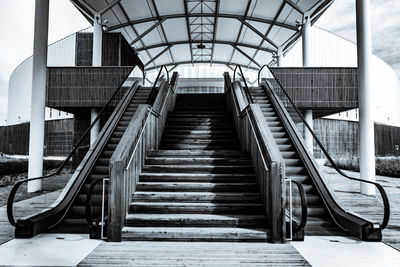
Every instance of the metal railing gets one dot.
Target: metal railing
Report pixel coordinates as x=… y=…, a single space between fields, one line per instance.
x=381 y=190
x=296 y=224
x=10 y=200
x=246 y=88
x=100 y=222
x=259 y=73
x=153 y=92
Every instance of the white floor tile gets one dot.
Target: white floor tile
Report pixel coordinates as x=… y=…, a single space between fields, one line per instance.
x=343 y=251
x=47 y=250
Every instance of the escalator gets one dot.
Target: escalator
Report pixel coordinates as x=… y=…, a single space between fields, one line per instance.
x=324 y=215
x=67 y=214
x=318 y=221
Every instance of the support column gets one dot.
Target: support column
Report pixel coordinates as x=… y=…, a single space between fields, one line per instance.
x=96 y=62
x=94 y=132
x=365 y=97
x=308 y=114
x=279 y=57
x=36 y=132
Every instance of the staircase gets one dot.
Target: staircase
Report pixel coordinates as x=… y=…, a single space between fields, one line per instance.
x=198 y=186
x=318 y=221
x=75 y=220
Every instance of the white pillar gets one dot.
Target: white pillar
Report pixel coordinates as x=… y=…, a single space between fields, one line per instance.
x=96 y=62
x=365 y=97
x=308 y=114
x=279 y=57
x=36 y=133
x=94 y=132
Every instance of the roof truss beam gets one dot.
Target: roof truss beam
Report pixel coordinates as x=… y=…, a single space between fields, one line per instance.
x=246 y=55
x=109 y=6
x=205 y=42
x=240 y=30
x=217 y=3
x=295 y=6
x=158 y=55
x=248 y=25
x=188 y=28
x=147 y=31
x=198 y=62
x=190 y=15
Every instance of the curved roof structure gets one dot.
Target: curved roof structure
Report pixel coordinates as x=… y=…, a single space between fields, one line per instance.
x=230 y=32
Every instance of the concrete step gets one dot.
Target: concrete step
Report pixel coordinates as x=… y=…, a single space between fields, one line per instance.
x=199 y=153
x=195 y=234
x=217 y=197
x=195 y=220
x=224 y=169
x=191 y=208
x=194 y=161
x=197 y=177
x=197 y=187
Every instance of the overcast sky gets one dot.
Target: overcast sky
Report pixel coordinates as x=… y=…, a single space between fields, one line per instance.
x=17 y=17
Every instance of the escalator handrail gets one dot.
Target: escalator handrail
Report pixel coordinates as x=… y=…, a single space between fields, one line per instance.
x=259 y=72
x=246 y=88
x=381 y=190
x=11 y=196
x=88 y=210
x=304 y=208
x=152 y=95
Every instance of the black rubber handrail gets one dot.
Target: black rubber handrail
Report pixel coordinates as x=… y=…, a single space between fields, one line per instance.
x=11 y=196
x=88 y=210
x=304 y=209
x=381 y=190
x=153 y=93
x=259 y=73
x=246 y=88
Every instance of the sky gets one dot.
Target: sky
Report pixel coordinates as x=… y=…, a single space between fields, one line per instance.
x=17 y=17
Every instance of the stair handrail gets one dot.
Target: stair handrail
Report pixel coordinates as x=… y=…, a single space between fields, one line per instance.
x=381 y=190
x=270 y=161
x=152 y=95
x=303 y=201
x=11 y=196
x=259 y=72
x=171 y=86
x=246 y=88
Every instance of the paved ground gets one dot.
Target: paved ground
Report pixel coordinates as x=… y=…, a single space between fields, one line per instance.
x=313 y=251
x=194 y=254
x=51 y=184
x=347 y=194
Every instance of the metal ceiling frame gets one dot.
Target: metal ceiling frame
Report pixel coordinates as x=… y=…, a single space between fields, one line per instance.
x=209 y=36
x=190 y=15
x=176 y=64
x=206 y=42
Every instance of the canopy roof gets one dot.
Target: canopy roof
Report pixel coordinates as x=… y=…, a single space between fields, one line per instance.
x=230 y=32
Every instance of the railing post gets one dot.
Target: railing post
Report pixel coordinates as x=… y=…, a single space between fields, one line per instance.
x=277 y=200
x=116 y=196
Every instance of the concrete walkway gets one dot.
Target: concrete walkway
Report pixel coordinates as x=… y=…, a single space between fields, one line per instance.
x=71 y=249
